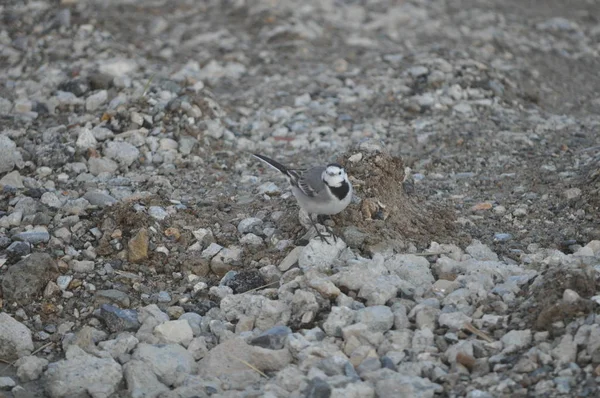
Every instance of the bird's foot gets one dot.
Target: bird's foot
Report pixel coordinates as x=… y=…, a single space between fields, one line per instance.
x=330 y=232
x=322 y=237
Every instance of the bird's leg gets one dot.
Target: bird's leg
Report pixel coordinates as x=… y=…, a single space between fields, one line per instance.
x=322 y=219
x=330 y=230
x=319 y=234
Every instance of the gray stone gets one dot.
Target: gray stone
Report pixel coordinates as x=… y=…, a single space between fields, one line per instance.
x=481 y=252
x=251 y=224
x=291 y=259
x=96 y=100
x=454 y=320
x=225 y=260
x=102 y=133
x=83 y=266
x=157 y=212
x=194 y=321
x=81 y=373
x=272 y=339
x=401 y=386
x=26 y=280
x=86 y=139
x=338 y=318
x=11 y=220
x=413 y=269
x=251 y=240
x=18 y=249
x=123 y=344
x=5 y=106
x=417 y=71
x=102 y=165
x=30 y=368
x=9 y=155
x=371 y=279
x=204 y=236
x=354 y=237
x=141 y=380
x=169 y=362
x=113 y=296
x=426 y=317
x=117 y=67
x=378 y=318
x=479 y=394
x=27 y=206
x=117 y=319
x=4 y=241
x=100 y=199
x=15 y=338
x=12 y=179
x=76 y=206
x=516 y=340
x=198 y=348
x=36 y=235
x=163 y=297
x=423 y=340
x=401 y=320
x=212 y=250
x=154 y=313
x=6 y=383
x=228 y=358
x=317 y=388
x=122 y=152
x=566 y=351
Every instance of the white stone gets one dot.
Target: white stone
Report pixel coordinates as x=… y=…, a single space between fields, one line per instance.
x=290 y=259
x=169 y=362
x=454 y=320
x=122 y=152
x=15 y=338
x=30 y=368
x=86 y=139
x=96 y=100
x=141 y=380
x=9 y=155
x=177 y=332
x=320 y=255
x=82 y=374
x=117 y=67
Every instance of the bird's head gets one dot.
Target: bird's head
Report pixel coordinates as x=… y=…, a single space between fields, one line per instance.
x=334 y=175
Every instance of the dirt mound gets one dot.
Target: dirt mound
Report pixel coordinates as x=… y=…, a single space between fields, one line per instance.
x=590 y=186
x=544 y=303
x=391 y=208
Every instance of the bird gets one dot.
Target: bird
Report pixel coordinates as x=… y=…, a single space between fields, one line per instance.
x=319 y=190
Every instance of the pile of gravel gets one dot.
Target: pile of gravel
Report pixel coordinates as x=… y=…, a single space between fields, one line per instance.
x=329 y=322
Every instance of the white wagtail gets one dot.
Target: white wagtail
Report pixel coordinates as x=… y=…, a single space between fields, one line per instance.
x=320 y=190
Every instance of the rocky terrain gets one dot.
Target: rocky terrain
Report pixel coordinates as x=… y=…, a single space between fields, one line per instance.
x=144 y=253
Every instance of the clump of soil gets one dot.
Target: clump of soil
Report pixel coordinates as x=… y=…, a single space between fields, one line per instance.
x=390 y=207
x=544 y=304
x=591 y=187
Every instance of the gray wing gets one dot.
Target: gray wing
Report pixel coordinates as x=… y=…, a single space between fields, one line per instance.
x=311 y=181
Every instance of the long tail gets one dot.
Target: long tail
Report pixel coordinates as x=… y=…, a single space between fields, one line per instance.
x=290 y=174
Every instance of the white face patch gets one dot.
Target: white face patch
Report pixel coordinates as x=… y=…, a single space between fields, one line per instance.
x=334 y=176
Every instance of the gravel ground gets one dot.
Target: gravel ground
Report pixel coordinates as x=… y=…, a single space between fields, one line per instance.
x=144 y=253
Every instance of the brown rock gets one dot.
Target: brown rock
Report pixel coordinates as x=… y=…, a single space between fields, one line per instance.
x=466 y=360
x=138 y=246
